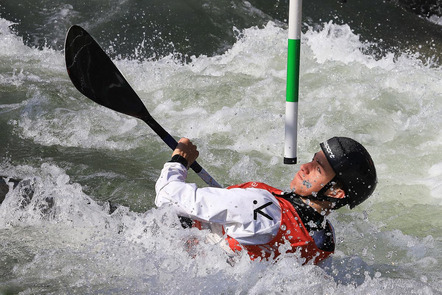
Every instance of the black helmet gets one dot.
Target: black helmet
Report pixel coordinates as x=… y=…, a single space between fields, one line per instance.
x=354 y=169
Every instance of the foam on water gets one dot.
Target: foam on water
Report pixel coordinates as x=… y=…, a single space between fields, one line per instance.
x=69 y=128
x=53 y=112
x=230 y=105
x=435 y=19
x=75 y=242
x=433 y=180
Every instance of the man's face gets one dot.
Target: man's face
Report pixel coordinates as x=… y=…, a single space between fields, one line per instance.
x=312 y=176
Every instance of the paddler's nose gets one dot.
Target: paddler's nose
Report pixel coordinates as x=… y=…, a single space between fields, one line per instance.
x=305 y=168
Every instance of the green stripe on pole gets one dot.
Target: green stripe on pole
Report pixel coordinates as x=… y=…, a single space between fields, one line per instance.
x=294 y=50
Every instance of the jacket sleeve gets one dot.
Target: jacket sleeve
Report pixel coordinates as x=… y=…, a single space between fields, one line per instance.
x=251 y=216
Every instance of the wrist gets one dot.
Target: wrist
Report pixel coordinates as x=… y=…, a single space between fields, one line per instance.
x=180 y=159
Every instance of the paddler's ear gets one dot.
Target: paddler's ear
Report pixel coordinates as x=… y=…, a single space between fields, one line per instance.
x=337 y=193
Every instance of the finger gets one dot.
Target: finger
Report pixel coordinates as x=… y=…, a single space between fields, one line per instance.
x=184 y=140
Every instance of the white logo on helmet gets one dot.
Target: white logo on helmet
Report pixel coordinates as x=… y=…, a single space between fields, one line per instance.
x=329 y=151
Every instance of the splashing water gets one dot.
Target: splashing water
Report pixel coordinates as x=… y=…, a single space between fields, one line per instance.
x=60 y=233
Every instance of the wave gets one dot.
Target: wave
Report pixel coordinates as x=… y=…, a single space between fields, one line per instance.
x=192 y=28
x=80 y=244
x=76 y=157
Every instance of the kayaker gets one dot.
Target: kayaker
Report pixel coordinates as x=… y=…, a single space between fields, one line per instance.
x=258 y=218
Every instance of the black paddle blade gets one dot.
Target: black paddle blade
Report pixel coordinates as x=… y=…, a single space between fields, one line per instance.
x=94 y=74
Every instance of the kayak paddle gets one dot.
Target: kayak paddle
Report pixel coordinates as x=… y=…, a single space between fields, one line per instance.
x=94 y=74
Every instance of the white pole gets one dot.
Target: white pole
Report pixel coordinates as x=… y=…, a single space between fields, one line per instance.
x=292 y=92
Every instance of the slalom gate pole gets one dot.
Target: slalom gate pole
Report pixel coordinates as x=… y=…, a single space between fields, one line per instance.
x=292 y=92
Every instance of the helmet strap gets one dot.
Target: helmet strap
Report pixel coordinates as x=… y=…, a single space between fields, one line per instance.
x=321 y=195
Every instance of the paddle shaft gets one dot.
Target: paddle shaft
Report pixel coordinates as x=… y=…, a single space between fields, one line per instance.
x=172 y=143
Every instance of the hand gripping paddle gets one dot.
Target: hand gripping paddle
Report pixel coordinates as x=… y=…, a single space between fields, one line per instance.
x=94 y=74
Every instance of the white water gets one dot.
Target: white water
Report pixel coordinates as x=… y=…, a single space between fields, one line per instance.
x=63 y=241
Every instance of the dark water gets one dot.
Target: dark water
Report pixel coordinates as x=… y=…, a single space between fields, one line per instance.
x=156 y=28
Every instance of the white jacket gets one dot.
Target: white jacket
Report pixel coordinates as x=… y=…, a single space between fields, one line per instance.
x=251 y=216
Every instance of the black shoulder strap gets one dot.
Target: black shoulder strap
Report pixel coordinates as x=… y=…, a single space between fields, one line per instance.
x=316 y=224
x=310 y=217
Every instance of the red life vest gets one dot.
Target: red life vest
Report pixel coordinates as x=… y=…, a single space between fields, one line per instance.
x=291 y=229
